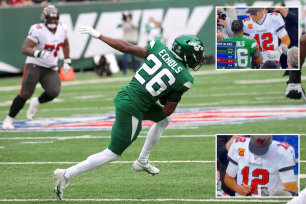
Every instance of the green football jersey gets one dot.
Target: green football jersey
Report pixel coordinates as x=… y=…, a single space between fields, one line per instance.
x=159 y=74
x=244 y=49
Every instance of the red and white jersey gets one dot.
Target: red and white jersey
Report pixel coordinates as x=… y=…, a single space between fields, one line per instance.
x=46 y=40
x=261 y=171
x=267 y=32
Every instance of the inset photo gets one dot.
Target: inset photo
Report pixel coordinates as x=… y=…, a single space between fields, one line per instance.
x=257 y=38
x=257 y=165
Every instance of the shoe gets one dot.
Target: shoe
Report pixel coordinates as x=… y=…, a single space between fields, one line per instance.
x=60 y=183
x=148 y=167
x=8 y=124
x=32 y=109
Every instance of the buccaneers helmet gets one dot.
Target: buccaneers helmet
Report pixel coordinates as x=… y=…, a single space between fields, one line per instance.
x=189 y=49
x=50 y=12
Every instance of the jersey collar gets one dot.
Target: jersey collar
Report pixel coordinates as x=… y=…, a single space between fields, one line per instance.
x=261 y=21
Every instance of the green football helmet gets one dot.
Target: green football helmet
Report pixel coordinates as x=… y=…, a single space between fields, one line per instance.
x=189 y=49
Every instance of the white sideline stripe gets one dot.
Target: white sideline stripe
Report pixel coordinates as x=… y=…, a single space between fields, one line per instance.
x=302 y=175
x=152 y=200
x=89 y=137
x=117 y=79
x=302 y=161
x=35 y=142
x=265 y=81
x=116 y=162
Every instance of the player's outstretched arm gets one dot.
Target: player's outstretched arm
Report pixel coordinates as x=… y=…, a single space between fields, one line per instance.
x=117 y=44
x=291 y=186
x=302 y=50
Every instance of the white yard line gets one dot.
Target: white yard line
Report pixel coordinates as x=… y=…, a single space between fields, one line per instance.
x=302 y=175
x=36 y=142
x=115 y=79
x=115 y=162
x=91 y=137
x=265 y=81
x=150 y=200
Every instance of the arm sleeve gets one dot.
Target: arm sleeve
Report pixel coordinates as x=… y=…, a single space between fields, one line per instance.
x=33 y=34
x=287 y=159
x=186 y=86
x=279 y=25
x=232 y=169
x=221 y=147
x=287 y=176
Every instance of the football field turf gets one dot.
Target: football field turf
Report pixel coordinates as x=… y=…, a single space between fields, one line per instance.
x=185 y=155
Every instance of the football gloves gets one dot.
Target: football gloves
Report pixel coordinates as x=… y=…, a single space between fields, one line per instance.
x=275 y=54
x=294 y=87
x=90 y=31
x=44 y=54
x=67 y=63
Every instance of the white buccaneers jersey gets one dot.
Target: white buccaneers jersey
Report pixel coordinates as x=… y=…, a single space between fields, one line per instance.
x=46 y=40
x=261 y=172
x=267 y=32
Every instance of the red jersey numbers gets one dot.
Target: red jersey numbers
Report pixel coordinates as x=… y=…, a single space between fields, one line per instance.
x=247 y=19
x=51 y=47
x=284 y=145
x=241 y=139
x=38 y=26
x=265 y=41
x=261 y=174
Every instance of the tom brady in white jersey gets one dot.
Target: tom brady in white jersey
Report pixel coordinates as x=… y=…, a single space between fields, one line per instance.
x=267 y=29
x=260 y=163
x=41 y=47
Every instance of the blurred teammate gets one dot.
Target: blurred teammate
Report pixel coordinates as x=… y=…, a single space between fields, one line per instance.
x=267 y=29
x=260 y=163
x=299 y=200
x=246 y=48
x=163 y=76
x=294 y=88
x=41 y=46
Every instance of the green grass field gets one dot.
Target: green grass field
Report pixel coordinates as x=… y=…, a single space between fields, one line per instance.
x=26 y=174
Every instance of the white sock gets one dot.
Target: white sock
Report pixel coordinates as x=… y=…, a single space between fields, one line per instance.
x=152 y=138
x=9 y=118
x=91 y=163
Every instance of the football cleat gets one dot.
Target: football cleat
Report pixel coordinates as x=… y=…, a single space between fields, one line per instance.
x=8 y=124
x=60 y=182
x=32 y=109
x=148 y=167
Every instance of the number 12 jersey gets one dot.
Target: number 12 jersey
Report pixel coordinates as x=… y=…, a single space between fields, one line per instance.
x=261 y=172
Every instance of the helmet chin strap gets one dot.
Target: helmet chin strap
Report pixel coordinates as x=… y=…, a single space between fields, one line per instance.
x=51 y=26
x=186 y=62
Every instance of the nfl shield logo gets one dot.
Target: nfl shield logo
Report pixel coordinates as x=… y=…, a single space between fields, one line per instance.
x=179 y=47
x=255 y=158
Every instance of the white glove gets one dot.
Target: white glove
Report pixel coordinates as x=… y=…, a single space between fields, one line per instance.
x=274 y=55
x=90 y=31
x=44 y=54
x=295 y=91
x=66 y=65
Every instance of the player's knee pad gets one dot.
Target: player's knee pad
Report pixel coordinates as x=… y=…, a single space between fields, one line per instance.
x=25 y=95
x=165 y=122
x=53 y=93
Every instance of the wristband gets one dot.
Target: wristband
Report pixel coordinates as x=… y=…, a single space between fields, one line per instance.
x=36 y=53
x=67 y=60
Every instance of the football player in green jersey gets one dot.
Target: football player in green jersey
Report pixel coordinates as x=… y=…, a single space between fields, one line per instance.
x=246 y=48
x=163 y=75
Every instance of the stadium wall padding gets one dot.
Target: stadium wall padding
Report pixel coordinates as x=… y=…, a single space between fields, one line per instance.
x=177 y=17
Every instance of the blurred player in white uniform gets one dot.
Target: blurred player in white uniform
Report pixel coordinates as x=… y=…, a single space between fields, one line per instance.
x=41 y=47
x=299 y=200
x=266 y=29
x=260 y=163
